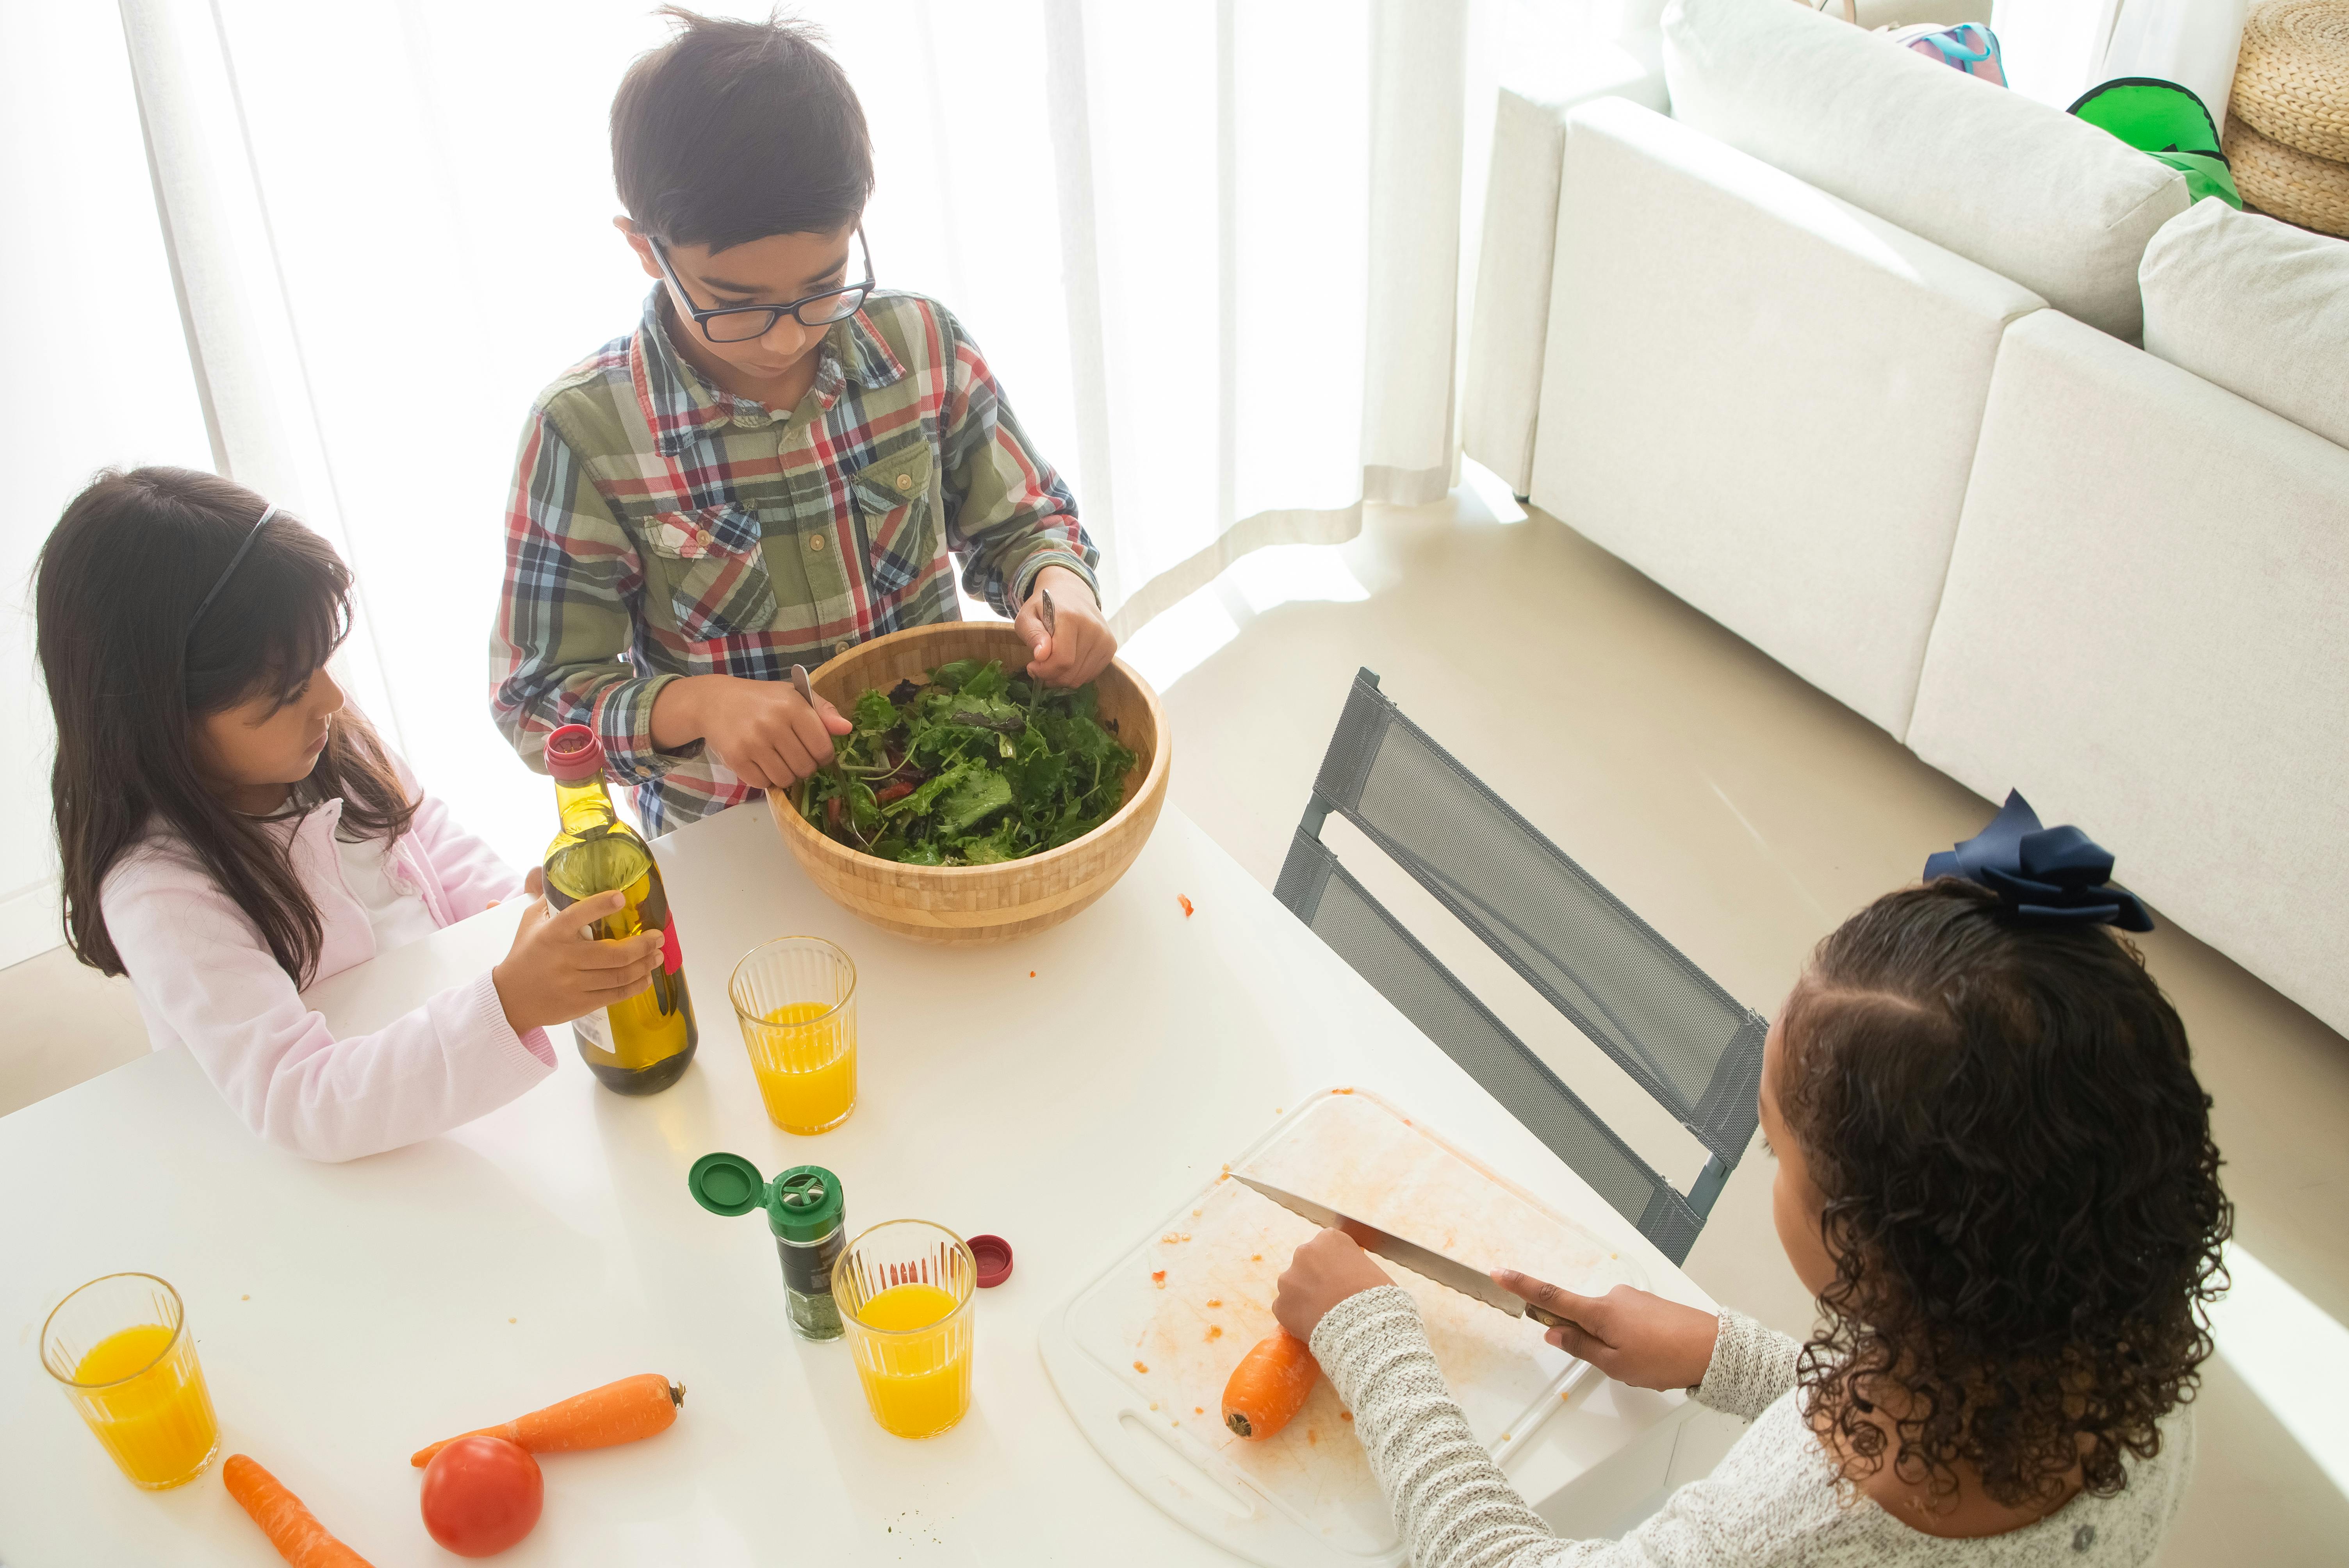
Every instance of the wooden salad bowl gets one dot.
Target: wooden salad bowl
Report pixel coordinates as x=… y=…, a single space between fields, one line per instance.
x=953 y=904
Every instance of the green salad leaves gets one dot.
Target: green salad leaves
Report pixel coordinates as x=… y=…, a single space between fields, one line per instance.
x=969 y=768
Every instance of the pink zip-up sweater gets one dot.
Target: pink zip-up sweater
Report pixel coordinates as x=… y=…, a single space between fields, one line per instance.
x=205 y=979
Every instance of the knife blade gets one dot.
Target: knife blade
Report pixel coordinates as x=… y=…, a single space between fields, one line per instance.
x=1425 y=1262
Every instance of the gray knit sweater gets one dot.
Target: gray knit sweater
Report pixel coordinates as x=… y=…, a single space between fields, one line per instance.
x=1773 y=1499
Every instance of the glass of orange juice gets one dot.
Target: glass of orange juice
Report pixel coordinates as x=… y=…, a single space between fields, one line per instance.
x=796 y=998
x=904 y=1289
x=122 y=1347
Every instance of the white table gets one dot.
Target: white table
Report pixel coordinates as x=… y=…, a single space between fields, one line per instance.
x=346 y=1314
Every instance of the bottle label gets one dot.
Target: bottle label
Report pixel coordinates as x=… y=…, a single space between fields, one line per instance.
x=594 y=1030
x=807 y=1266
x=672 y=960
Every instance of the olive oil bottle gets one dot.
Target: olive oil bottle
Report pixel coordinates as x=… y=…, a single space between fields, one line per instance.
x=640 y=1046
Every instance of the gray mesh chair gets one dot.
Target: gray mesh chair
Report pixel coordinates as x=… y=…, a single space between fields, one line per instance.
x=1663 y=1020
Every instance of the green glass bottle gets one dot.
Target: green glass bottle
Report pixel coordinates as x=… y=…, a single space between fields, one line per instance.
x=640 y=1046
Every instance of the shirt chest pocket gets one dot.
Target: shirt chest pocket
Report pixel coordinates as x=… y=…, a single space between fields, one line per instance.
x=894 y=508
x=715 y=570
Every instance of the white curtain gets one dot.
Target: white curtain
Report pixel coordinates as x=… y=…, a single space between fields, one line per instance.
x=1212 y=248
x=2055 y=50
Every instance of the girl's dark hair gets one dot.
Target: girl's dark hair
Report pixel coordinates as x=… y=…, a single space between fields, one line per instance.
x=2022 y=1196
x=118 y=581
x=735 y=130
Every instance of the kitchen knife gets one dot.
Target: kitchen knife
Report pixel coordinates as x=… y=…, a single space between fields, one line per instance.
x=1425 y=1262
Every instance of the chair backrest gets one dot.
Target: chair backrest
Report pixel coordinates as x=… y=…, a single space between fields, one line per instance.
x=1663 y=1020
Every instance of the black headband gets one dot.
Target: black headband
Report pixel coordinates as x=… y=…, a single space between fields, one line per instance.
x=230 y=570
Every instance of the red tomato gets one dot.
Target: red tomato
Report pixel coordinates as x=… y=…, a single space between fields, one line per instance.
x=481 y=1495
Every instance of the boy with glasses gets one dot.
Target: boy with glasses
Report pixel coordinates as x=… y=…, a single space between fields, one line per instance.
x=779 y=463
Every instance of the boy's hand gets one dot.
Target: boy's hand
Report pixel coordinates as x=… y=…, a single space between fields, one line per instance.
x=758 y=729
x=554 y=972
x=1632 y=1335
x=1325 y=1271
x=1084 y=645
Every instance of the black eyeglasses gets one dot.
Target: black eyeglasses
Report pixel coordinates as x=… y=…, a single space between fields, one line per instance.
x=742 y=323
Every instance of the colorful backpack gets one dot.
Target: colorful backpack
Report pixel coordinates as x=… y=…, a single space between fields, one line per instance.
x=2167 y=121
x=1969 y=46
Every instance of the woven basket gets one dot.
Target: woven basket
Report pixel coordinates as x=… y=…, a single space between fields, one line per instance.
x=2292 y=80
x=955 y=904
x=2283 y=183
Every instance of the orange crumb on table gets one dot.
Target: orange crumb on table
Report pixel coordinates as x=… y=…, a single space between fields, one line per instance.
x=246 y=1297
x=1169 y=1239
x=1214 y=1301
x=1154 y=1404
x=1197 y=1212
x=1215 y=1332
x=513 y=1320
x=1255 y=1257
x=1032 y=975
x=1198 y=1409
x=1504 y=1436
x=1138 y=1367
x=1312 y=1436
x=1158 y=1278
x=1185 y=903
x=1349 y=1089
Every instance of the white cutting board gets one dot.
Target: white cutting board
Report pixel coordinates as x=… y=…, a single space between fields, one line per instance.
x=1141 y=1354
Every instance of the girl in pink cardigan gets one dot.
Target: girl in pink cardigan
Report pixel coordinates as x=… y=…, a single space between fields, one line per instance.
x=229 y=833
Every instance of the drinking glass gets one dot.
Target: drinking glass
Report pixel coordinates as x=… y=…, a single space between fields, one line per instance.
x=122 y=1347
x=904 y=1289
x=796 y=998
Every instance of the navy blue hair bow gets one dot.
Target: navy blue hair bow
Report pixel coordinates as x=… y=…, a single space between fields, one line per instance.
x=2056 y=874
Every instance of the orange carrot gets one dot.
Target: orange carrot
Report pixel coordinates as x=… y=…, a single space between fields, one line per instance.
x=296 y=1533
x=1269 y=1384
x=618 y=1412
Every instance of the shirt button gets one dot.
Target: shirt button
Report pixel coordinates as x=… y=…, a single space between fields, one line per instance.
x=815 y=543
x=841 y=646
x=701 y=537
x=905 y=481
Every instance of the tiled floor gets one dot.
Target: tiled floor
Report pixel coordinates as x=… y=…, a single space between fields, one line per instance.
x=1742 y=812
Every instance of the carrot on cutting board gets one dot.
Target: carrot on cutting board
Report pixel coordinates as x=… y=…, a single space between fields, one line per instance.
x=1269 y=1384
x=293 y=1529
x=618 y=1412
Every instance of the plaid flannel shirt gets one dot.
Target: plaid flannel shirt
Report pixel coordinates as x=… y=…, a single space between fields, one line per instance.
x=660 y=527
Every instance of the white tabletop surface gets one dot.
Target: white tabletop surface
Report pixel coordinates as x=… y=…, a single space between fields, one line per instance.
x=346 y=1314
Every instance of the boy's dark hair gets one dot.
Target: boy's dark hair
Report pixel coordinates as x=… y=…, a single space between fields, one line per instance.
x=117 y=583
x=2023 y=1199
x=733 y=131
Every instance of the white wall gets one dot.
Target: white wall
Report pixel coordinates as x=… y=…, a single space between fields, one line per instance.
x=97 y=370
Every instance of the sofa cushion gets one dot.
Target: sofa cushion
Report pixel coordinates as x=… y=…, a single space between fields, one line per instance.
x=2061 y=207
x=1502 y=388
x=1762 y=398
x=2142 y=631
x=2258 y=306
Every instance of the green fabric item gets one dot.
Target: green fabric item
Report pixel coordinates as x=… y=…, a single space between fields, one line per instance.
x=2207 y=174
x=2167 y=121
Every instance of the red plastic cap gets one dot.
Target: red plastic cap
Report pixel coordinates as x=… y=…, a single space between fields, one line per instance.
x=574 y=755
x=993 y=1256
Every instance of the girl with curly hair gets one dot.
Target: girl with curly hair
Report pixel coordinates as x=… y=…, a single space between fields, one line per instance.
x=1994 y=1172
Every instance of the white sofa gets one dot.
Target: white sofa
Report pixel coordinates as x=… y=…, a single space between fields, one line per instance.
x=2040 y=556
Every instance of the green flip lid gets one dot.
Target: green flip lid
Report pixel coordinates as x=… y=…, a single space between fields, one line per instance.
x=805 y=1203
